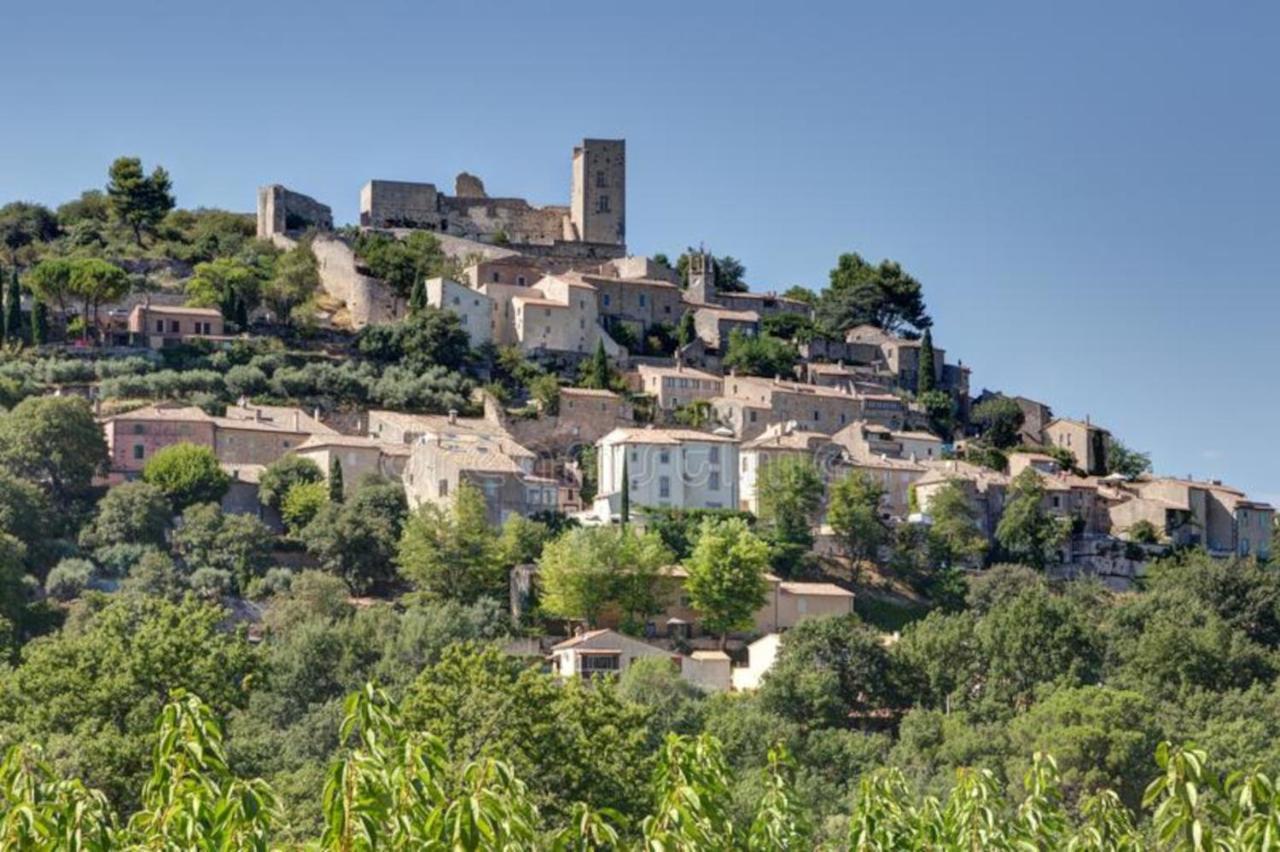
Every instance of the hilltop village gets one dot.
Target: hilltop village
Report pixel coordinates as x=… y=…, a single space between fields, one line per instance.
x=473 y=341
x=586 y=512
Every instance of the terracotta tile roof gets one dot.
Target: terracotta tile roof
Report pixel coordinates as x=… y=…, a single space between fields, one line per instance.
x=730 y=314
x=336 y=440
x=642 y=282
x=579 y=639
x=164 y=412
x=598 y=392
x=181 y=310
x=796 y=440
x=662 y=436
x=820 y=589
x=677 y=372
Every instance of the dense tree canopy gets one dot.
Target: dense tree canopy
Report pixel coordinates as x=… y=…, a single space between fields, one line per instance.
x=882 y=295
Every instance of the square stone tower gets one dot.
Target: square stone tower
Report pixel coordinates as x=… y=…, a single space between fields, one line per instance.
x=599 y=199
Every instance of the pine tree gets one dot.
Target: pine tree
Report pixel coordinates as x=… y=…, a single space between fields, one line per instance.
x=39 y=323
x=335 y=480
x=418 y=296
x=925 y=376
x=13 y=309
x=4 y=314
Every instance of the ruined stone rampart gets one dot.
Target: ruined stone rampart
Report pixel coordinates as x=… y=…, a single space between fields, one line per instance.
x=283 y=211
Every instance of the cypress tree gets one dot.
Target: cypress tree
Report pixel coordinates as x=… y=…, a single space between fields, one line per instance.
x=13 y=309
x=597 y=373
x=687 y=331
x=335 y=480
x=4 y=314
x=39 y=323
x=418 y=296
x=925 y=376
x=624 y=507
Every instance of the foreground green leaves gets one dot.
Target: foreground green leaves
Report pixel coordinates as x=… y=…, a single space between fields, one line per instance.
x=393 y=787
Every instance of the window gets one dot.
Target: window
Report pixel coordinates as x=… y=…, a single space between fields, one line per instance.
x=456 y=300
x=714 y=454
x=463 y=319
x=606 y=300
x=600 y=180
x=752 y=416
x=593 y=665
x=817 y=415
x=160 y=326
x=664 y=457
x=644 y=300
x=139 y=429
x=635 y=456
x=602 y=204
x=713 y=480
x=139 y=451
x=664 y=486
x=520 y=280
x=495 y=278
x=666 y=309
x=442 y=487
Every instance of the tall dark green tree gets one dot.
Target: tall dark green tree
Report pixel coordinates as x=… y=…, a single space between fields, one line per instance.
x=39 y=323
x=686 y=331
x=335 y=480
x=13 y=309
x=624 y=509
x=925 y=378
x=597 y=374
x=418 y=296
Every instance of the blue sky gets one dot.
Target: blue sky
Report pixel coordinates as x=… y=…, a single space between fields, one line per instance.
x=1089 y=192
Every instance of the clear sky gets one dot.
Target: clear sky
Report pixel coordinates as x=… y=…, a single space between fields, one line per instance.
x=1089 y=192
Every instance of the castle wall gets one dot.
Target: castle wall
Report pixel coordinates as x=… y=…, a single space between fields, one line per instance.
x=281 y=210
x=399 y=204
x=368 y=299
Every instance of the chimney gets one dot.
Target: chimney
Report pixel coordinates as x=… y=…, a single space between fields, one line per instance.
x=297 y=420
x=257 y=414
x=315 y=413
x=453 y=416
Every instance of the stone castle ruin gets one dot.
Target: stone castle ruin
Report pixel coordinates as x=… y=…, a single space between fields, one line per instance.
x=282 y=210
x=593 y=224
x=470 y=223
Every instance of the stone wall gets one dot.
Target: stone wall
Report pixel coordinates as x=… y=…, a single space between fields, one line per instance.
x=399 y=204
x=368 y=299
x=281 y=210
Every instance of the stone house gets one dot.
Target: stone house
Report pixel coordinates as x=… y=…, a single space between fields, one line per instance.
x=559 y=314
x=473 y=308
x=439 y=464
x=1187 y=512
x=777 y=441
x=637 y=303
x=1085 y=441
x=750 y=403
x=679 y=468
x=896 y=476
x=135 y=436
x=159 y=326
x=605 y=652
x=672 y=387
x=245 y=435
x=986 y=489
x=358 y=457
x=714 y=325
x=787 y=603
